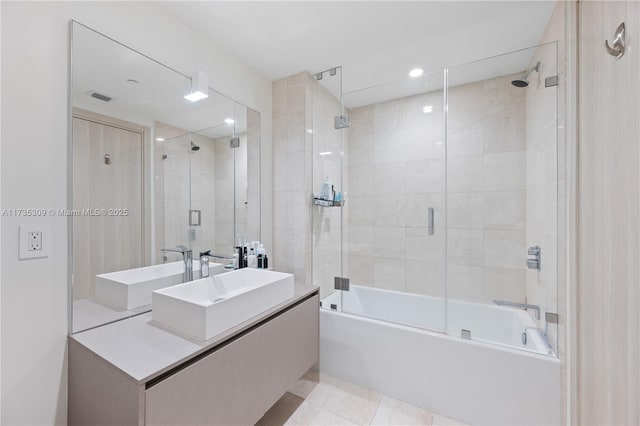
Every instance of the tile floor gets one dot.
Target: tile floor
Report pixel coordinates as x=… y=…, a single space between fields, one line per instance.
x=320 y=399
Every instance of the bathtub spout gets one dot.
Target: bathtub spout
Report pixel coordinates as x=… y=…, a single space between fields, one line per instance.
x=536 y=308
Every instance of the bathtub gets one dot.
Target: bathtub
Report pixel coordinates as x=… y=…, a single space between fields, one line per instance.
x=382 y=341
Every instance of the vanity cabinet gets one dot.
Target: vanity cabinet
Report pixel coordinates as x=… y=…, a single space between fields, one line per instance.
x=234 y=382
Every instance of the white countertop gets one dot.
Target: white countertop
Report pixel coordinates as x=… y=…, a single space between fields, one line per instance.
x=144 y=349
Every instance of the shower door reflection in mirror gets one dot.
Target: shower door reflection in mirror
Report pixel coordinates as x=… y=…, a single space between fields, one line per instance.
x=150 y=170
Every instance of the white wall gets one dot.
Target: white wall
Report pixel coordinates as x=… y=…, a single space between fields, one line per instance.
x=34 y=167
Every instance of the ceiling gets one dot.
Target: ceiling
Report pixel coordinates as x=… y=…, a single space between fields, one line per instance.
x=104 y=66
x=374 y=41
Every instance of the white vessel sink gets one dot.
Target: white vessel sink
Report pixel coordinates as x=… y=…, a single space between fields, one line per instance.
x=207 y=307
x=130 y=289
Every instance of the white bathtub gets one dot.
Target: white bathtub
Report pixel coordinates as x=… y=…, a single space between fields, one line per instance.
x=382 y=344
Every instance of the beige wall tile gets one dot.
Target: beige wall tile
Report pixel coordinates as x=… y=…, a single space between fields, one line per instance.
x=504 y=284
x=464 y=174
x=464 y=210
x=464 y=247
x=464 y=282
x=505 y=249
x=504 y=210
x=504 y=171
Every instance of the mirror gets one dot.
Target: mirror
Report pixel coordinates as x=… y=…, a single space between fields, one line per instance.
x=150 y=170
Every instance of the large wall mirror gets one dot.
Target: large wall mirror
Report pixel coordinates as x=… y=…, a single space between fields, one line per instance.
x=150 y=170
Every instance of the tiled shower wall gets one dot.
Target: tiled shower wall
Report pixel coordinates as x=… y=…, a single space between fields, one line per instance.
x=173 y=192
x=218 y=175
x=396 y=173
x=306 y=237
x=393 y=167
x=225 y=160
x=292 y=177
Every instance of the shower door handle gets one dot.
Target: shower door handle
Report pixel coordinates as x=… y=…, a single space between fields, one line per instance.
x=431 y=221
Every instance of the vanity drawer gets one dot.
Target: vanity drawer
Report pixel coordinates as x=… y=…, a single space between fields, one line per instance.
x=237 y=383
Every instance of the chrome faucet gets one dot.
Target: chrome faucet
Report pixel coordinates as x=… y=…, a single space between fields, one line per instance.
x=187 y=256
x=519 y=305
x=204 y=261
x=211 y=253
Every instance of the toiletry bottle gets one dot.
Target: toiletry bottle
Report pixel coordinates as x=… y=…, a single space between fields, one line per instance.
x=252 y=259
x=325 y=191
x=236 y=258
x=245 y=259
x=265 y=262
x=204 y=265
x=261 y=255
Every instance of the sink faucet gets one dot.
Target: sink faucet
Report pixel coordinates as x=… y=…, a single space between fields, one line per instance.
x=187 y=256
x=204 y=261
x=536 y=308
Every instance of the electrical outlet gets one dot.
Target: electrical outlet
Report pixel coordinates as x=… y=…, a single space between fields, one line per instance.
x=33 y=241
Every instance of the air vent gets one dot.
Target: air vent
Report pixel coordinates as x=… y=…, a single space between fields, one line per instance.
x=100 y=96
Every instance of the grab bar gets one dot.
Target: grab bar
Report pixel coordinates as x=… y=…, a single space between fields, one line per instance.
x=519 y=305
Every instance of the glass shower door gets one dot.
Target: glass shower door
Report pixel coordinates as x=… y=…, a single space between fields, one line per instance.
x=173 y=183
x=502 y=188
x=393 y=233
x=328 y=191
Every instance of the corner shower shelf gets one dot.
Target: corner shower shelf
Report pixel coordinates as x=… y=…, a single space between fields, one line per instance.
x=326 y=203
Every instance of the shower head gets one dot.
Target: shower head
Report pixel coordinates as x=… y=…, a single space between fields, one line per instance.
x=520 y=83
x=523 y=82
x=194 y=147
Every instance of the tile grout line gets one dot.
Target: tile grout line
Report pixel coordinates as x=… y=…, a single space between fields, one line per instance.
x=375 y=412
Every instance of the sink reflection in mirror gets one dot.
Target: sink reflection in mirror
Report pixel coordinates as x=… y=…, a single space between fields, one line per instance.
x=161 y=168
x=128 y=290
x=207 y=307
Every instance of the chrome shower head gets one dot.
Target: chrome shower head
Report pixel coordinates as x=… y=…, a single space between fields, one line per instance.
x=194 y=147
x=523 y=82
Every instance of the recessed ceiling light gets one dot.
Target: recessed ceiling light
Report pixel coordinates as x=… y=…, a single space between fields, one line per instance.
x=416 y=72
x=309 y=130
x=229 y=120
x=199 y=87
x=160 y=139
x=196 y=96
x=325 y=153
x=427 y=109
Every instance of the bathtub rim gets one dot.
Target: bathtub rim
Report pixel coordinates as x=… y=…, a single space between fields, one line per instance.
x=443 y=334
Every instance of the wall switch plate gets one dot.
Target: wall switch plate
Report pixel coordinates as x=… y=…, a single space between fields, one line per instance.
x=34 y=241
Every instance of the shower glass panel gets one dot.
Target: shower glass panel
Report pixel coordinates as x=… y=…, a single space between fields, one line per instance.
x=205 y=191
x=502 y=189
x=393 y=217
x=212 y=191
x=173 y=189
x=328 y=184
